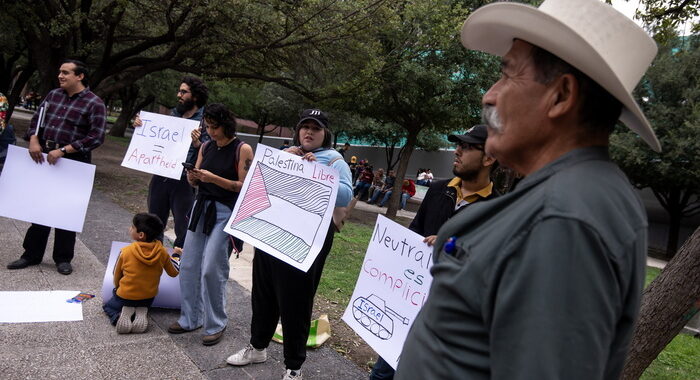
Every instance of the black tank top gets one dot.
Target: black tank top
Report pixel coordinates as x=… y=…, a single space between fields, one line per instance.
x=222 y=162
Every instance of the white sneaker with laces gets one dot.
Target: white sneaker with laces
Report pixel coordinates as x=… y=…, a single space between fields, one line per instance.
x=247 y=355
x=292 y=375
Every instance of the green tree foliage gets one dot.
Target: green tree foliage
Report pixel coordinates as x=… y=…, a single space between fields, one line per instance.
x=664 y=17
x=670 y=97
x=123 y=41
x=419 y=77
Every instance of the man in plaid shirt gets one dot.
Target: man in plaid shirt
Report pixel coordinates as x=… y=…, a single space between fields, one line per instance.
x=73 y=125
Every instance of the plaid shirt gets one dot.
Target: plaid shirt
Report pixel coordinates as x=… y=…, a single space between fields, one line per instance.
x=78 y=120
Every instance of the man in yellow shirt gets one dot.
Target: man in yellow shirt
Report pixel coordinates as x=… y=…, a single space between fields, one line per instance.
x=472 y=183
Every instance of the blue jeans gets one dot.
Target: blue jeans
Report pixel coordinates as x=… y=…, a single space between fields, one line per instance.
x=404 y=198
x=375 y=196
x=361 y=189
x=203 y=275
x=381 y=370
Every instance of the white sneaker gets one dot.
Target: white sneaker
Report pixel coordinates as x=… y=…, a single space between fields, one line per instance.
x=140 y=323
x=292 y=375
x=124 y=323
x=247 y=355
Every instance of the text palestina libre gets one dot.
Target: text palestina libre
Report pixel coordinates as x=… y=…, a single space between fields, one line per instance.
x=274 y=160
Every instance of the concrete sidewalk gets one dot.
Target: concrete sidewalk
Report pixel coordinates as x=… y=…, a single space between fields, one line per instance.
x=91 y=349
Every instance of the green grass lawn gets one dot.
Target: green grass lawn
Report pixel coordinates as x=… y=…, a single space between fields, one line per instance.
x=680 y=360
x=123 y=141
x=344 y=262
x=651 y=275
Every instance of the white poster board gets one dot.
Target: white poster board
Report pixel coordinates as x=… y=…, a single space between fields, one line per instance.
x=392 y=287
x=160 y=144
x=168 y=289
x=41 y=306
x=285 y=206
x=51 y=195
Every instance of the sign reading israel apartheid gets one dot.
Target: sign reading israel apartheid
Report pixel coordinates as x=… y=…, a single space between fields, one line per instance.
x=285 y=206
x=392 y=287
x=160 y=144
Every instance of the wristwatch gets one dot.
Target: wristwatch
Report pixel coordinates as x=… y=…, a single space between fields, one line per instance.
x=63 y=149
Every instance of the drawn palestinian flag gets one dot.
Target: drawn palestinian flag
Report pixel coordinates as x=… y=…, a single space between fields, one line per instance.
x=302 y=202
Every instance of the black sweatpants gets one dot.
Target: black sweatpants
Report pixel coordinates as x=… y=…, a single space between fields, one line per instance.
x=280 y=290
x=167 y=194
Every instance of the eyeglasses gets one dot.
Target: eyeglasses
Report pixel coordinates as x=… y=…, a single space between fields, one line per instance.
x=183 y=92
x=468 y=146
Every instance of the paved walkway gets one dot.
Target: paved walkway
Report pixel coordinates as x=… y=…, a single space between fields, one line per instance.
x=91 y=349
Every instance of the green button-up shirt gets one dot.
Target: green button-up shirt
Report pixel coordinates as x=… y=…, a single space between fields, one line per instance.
x=545 y=282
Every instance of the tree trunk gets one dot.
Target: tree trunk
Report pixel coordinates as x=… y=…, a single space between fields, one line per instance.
x=129 y=108
x=405 y=157
x=261 y=127
x=674 y=229
x=668 y=303
x=16 y=90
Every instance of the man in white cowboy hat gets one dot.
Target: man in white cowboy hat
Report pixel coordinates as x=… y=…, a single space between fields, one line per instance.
x=544 y=282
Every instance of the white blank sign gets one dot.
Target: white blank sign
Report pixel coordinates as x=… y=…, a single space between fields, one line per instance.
x=51 y=195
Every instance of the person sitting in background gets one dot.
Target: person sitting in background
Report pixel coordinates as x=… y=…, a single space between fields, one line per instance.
x=285 y=145
x=408 y=189
x=420 y=178
x=388 y=185
x=428 y=177
x=137 y=275
x=377 y=182
x=364 y=182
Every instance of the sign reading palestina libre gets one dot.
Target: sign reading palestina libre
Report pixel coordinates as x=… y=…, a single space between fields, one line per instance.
x=285 y=206
x=392 y=287
x=160 y=144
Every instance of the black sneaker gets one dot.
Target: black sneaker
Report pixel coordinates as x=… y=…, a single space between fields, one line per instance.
x=20 y=263
x=64 y=268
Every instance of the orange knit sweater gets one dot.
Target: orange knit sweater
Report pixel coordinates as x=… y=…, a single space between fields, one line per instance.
x=139 y=267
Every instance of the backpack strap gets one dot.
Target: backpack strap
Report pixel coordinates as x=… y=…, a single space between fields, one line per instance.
x=334 y=160
x=237 y=156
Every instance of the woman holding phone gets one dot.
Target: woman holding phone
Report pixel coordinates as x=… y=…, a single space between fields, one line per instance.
x=219 y=171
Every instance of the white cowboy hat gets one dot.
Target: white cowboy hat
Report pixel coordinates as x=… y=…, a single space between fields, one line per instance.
x=588 y=34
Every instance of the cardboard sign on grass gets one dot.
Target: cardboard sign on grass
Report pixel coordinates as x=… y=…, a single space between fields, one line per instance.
x=51 y=195
x=393 y=285
x=160 y=144
x=285 y=206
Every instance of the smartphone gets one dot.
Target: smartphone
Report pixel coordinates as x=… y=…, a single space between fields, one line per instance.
x=188 y=166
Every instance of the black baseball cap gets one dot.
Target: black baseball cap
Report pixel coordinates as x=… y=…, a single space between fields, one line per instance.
x=316 y=115
x=475 y=135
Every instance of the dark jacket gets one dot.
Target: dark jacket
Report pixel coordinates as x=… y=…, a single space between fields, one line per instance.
x=438 y=206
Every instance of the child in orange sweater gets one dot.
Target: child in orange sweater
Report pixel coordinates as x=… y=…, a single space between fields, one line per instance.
x=137 y=275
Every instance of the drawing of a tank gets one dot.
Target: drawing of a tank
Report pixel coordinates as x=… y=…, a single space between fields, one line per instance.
x=373 y=314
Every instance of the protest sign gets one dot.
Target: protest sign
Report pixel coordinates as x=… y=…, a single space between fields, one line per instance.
x=285 y=206
x=160 y=144
x=168 y=289
x=392 y=287
x=51 y=195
